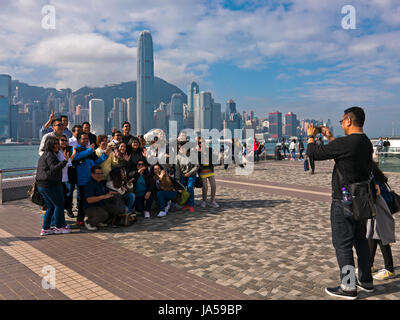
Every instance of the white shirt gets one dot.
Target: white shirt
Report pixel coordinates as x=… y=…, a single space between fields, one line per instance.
x=73 y=142
x=292 y=146
x=60 y=156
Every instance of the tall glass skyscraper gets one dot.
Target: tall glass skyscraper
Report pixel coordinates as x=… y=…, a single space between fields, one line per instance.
x=145 y=83
x=5 y=102
x=230 y=109
x=193 y=88
x=275 y=124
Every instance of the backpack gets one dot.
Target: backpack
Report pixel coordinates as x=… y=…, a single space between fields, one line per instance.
x=35 y=196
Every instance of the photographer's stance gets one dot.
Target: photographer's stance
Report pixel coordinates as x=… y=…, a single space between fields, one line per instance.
x=353 y=159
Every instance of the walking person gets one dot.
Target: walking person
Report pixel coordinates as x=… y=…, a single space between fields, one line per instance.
x=206 y=173
x=292 y=149
x=353 y=160
x=381 y=228
x=301 y=149
x=386 y=146
x=49 y=183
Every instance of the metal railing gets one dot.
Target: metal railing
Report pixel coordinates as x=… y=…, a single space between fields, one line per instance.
x=10 y=180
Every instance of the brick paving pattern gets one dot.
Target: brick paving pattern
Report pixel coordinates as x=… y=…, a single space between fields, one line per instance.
x=263 y=243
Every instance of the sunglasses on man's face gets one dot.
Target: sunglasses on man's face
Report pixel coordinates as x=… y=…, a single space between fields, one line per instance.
x=58 y=125
x=63 y=140
x=140 y=164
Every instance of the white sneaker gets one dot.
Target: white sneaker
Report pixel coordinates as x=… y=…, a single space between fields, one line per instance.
x=214 y=204
x=147 y=215
x=167 y=206
x=89 y=227
x=162 y=214
x=203 y=204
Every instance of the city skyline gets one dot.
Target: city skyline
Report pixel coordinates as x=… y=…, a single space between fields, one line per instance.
x=311 y=66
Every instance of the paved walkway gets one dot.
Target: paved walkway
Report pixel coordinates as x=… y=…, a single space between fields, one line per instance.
x=270 y=239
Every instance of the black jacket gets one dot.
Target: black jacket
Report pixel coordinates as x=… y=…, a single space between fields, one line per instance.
x=150 y=184
x=49 y=170
x=135 y=157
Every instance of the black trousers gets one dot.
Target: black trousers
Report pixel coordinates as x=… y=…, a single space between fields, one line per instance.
x=346 y=234
x=312 y=164
x=386 y=253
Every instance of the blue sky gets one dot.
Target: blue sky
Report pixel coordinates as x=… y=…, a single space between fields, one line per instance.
x=265 y=55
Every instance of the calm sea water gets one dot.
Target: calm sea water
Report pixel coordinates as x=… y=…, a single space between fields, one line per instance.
x=18 y=156
x=24 y=156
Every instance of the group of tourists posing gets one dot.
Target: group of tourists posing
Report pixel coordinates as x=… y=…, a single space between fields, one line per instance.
x=115 y=178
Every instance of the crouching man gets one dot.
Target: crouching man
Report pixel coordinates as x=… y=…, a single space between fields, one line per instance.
x=94 y=205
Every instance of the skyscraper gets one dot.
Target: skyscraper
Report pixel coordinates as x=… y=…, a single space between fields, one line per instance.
x=275 y=124
x=202 y=110
x=230 y=108
x=216 y=116
x=97 y=116
x=175 y=112
x=131 y=116
x=5 y=102
x=145 y=83
x=193 y=88
x=290 y=124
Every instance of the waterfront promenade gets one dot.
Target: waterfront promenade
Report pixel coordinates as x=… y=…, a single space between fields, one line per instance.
x=270 y=239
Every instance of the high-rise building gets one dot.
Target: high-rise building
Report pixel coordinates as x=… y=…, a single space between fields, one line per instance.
x=131 y=114
x=290 y=124
x=145 y=83
x=230 y=108
x=97 y=116
x=202 y=110
x=175 y=110
x=275 y=124
x=216 y=116
x=5 y=102
x=160 y=117
x=87 y=98
x=13 y=127
x=193 y=88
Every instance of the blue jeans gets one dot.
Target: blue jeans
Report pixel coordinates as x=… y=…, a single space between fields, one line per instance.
x=346 y=233
x=141 y=204
x=189 y=183
x=129 y=199
x=54 y=199
x=292 y=154
x=163 y=197
x=70 y=187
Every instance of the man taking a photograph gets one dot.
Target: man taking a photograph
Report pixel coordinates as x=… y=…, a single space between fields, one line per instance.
x=353 y=158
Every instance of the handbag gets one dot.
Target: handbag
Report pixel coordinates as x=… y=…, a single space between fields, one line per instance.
x=395 y=205
x=199 y=182
x=363 y=197
x=115 y=205
x=182 y=198
x=306 y=165
x=35 y=196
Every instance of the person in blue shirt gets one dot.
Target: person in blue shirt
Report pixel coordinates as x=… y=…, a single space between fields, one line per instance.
x=95 y=194
x=84 y=160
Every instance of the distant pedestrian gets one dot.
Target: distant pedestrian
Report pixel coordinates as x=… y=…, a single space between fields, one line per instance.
x=301 y=149
x=386 y=146
x=292 y=149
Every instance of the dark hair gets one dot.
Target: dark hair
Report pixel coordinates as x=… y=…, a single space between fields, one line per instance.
x=357 y=115
x=378 y=174
x=94 y=168
x=126 y=122
x=116 y=177
x=55 y=120
x=49 y=144
x=81 y=134
x=153 y=166
x=100 y=138
x=134 y=139
x=64 y=116
x=115 y=132
x=75 y=127
x=85 y=123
